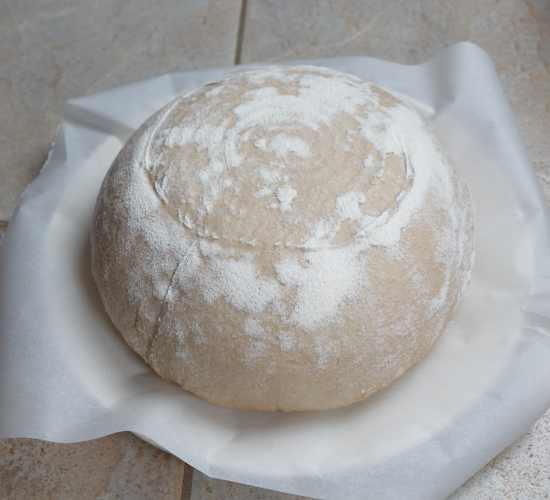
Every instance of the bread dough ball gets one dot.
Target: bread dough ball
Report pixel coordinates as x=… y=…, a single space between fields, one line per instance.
x=283 y=238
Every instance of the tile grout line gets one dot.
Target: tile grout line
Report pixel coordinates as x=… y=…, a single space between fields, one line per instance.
x=240 y=34
x=186 y=482
x=3 y=227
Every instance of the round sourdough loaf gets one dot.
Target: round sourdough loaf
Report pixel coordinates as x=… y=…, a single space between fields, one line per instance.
x=283 y=238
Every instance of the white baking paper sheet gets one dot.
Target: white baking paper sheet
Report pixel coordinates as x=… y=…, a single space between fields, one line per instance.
x=66 y=374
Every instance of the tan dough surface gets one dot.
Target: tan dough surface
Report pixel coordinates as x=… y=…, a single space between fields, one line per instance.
x=283 y=238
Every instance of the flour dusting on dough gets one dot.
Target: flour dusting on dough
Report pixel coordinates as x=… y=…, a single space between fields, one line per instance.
x=290 y=203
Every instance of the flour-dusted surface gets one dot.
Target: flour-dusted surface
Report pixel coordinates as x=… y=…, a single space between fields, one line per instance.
x=283 y=238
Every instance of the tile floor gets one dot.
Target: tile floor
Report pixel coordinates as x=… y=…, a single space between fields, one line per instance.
x=53 y=50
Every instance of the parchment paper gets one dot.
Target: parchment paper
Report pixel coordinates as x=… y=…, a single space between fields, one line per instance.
x=66 y=374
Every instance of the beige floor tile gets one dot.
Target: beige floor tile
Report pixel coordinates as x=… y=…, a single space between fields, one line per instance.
x=120 y=466
x=53 y=50
x=516 y=33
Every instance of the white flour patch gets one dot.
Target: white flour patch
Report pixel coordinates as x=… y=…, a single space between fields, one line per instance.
x=283 y=144
x=285 y=195
x=347 y=205
x=331 y=276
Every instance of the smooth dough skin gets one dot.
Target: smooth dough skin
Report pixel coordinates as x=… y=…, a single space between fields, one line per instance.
x=283 y=238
